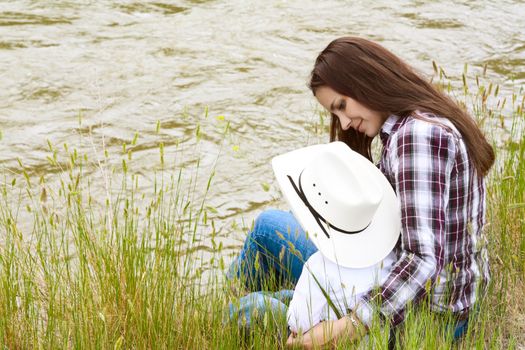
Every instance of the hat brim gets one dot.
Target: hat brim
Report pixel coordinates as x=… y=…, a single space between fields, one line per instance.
x=359 y=250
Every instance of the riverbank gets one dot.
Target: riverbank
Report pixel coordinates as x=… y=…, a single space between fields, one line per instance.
x=136 y=269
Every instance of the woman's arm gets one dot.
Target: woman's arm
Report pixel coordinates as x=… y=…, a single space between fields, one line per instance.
x=421 y=157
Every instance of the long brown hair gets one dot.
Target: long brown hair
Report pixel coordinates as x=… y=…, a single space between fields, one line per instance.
x=378 y=79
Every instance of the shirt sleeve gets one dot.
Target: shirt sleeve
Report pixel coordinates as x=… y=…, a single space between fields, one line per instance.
x=421 y=156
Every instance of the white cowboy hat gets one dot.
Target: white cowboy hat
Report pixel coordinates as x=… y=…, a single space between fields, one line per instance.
x=342 y=200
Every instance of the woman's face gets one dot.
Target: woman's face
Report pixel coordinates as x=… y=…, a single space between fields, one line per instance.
x=351 y=113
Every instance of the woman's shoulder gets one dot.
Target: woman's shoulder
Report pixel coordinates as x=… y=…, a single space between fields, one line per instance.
x=427 y=125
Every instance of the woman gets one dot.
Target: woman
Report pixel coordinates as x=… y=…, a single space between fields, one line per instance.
x=434 y=156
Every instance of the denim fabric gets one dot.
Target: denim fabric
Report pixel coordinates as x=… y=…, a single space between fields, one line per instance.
x=282 y=248
x=460 y=329
x=252 y=307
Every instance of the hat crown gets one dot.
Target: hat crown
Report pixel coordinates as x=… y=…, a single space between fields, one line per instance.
x=344 y=192
x=355 y=221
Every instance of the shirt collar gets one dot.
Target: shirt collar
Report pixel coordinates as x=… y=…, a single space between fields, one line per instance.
x=388 y=127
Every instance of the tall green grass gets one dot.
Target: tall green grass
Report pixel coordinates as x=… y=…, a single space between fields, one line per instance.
x=124 y=269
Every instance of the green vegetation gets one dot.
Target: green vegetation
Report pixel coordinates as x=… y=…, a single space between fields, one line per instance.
x=122 y=270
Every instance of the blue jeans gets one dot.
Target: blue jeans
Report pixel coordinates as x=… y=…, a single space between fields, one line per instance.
x=253 y=308
x=275 y=250
x=269 y=265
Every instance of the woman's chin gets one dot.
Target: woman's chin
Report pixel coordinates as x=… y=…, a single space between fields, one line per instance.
x=370 y=134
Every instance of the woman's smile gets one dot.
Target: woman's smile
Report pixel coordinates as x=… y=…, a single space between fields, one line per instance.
x=358 y=126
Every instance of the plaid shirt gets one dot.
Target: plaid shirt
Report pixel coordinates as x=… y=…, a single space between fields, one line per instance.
x=442 y=248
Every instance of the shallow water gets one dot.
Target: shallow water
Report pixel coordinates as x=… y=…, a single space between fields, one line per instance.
x=123 y=65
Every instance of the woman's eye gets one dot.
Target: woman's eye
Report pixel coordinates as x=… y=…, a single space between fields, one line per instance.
x=342 y=105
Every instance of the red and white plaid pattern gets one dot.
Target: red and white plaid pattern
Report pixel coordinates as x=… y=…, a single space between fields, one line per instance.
x=442 y=247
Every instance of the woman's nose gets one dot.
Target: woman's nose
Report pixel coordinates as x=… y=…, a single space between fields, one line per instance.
x=346 y=123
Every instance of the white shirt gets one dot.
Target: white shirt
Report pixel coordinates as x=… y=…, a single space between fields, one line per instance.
x=344 y=286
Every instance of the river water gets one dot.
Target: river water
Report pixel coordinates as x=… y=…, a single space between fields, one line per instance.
x=121 y=66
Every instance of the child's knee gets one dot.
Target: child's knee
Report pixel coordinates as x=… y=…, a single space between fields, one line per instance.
x=265 y=224
x=265 y=218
